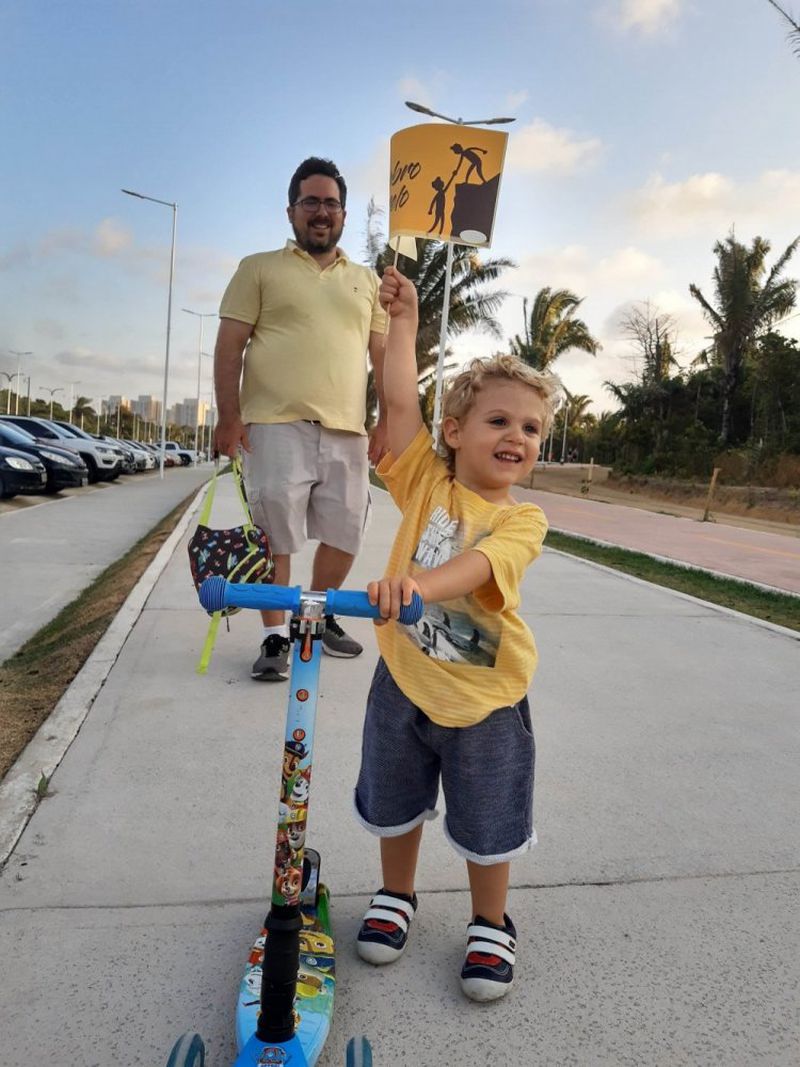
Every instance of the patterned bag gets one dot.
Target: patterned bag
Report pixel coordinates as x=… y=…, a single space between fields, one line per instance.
x=240 y=554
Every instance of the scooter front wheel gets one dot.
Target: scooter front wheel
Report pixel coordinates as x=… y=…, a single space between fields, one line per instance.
x=188 y=1051
x=359 y=1052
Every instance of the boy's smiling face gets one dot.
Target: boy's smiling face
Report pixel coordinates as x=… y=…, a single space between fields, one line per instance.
x=497 y=442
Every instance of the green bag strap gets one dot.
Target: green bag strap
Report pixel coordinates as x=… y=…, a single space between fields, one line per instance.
x=208 y=647
x=238 y=481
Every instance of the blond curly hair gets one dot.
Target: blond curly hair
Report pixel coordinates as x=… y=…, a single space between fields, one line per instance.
x=462 y=390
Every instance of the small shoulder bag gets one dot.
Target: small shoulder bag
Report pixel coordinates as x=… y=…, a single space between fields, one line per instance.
x=239 y=554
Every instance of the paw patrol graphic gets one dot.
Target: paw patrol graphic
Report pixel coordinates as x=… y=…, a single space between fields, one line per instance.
x=293 y=753
x=288 y=883
x=301 y=788
x=283 y=850
x=296 y=828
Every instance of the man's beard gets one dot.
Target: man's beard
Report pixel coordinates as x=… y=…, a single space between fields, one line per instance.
x=313 y=246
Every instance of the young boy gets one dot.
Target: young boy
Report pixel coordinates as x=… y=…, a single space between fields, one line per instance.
x=448 y=698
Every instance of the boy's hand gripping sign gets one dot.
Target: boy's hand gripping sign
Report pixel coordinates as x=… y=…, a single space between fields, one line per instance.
x=444 y=182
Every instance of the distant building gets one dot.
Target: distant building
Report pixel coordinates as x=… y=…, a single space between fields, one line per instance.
x=186 y=413
x=147 y=408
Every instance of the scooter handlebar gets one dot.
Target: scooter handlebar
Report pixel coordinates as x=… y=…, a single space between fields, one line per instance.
x=217 y=593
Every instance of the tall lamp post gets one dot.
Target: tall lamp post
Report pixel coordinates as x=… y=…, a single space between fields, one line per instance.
x=72 y=399
x=437 y=403
x=200 y=353
x=19 y=356
x=52 y=392
x=10 y=378
x=174 y=206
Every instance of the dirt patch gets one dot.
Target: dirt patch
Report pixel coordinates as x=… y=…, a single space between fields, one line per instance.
x=770 y=509
x=34 y=679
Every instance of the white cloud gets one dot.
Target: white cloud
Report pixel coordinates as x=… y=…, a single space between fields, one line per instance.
x=542 y=147
x=515 y=100
x=110 y=238
x=647 y=17
x=575 y=267
x=712 y=202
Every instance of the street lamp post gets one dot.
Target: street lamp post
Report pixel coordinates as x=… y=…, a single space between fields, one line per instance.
x=72 y=399
x=174 y=206
x=10 y=378
x=29 y=396
x=19 y=356
x=200 y=353
x=52 y=392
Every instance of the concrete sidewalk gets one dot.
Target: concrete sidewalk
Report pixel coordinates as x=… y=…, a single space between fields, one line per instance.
x=657 y=918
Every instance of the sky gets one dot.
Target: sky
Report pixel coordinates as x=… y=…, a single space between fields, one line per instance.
x=645 y=130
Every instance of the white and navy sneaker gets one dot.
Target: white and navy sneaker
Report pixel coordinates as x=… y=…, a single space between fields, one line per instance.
x=488 y=971
x=384 y=928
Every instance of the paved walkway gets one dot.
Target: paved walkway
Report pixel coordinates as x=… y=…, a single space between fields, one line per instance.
x=52 y=551
x=767 y=558
x=657 y=917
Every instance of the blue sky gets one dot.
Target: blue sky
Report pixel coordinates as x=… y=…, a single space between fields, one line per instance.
x=645 y=130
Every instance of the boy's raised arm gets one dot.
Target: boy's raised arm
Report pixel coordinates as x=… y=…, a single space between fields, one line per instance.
x=400 y=389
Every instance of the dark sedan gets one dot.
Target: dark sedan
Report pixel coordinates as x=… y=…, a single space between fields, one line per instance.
x=20 y=472
x=65 y=469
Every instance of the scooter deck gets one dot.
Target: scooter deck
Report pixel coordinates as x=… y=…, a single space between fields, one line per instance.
x=314 y=1001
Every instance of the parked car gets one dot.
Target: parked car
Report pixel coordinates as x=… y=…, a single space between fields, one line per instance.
x=102 y=460
x=126 y=461
x=65 y=469
x=185 y=455
x=145 y=460
x=20 y=472
x=170 y=459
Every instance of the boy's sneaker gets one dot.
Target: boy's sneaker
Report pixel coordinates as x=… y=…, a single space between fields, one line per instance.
x=337 y=643
x=488 y=971
x=384 y=928
x=272 y=664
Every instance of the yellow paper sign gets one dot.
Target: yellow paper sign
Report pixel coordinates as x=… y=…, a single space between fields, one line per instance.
x=444 y=182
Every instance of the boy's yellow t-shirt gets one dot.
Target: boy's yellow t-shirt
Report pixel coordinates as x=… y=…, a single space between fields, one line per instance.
x=465 y=657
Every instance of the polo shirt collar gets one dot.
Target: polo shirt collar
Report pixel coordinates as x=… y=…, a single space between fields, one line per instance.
x=292 y=246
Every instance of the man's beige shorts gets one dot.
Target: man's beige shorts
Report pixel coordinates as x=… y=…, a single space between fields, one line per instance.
x=305 y=481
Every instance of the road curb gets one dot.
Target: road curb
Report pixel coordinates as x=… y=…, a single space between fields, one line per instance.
x=46 y=749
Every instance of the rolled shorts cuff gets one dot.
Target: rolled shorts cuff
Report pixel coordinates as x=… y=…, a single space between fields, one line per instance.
x=392 y=831
x=488 y=861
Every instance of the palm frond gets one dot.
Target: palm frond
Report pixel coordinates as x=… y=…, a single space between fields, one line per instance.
x=794 y=31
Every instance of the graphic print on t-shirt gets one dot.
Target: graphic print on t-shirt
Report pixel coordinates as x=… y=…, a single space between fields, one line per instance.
x=458 y=632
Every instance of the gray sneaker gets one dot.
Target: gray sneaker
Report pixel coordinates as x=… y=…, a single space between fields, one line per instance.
x=337 y=643
x=273 y=663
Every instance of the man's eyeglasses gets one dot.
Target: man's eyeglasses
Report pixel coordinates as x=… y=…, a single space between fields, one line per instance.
x=313 y=203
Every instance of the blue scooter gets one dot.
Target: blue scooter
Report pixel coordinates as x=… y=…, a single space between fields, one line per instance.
x=285 y=1003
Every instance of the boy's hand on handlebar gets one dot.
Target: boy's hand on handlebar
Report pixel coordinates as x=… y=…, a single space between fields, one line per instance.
x=389 y=595
x=397 y=295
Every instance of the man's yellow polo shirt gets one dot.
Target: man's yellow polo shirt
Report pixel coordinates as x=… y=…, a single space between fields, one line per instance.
x=307 y=355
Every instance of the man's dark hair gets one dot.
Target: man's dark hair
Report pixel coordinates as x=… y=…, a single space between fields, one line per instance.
x=315 y=165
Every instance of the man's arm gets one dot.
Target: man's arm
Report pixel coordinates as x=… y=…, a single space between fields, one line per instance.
x=231 y=340
x=378 y=438
x=401 y=391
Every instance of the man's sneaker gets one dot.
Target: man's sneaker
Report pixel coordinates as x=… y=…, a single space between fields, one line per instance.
x=336 y=642
x=384 y=928
x=272 y=664
x=488 y=971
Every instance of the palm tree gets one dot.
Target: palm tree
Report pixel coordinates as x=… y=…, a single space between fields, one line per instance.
x=473 y=304
x=552 y=329
x=794 y=32
x=746 y=308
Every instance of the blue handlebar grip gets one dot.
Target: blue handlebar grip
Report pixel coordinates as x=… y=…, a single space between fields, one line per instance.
x=217 y=593
x=350 y=602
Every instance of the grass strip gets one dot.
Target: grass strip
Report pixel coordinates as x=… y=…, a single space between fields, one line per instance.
x=33 y=680
x=778 y=608
x=783 y=610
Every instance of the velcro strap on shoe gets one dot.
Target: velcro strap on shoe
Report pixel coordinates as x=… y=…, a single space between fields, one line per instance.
x=491 y=942
x=386 y=900
x=388 y=917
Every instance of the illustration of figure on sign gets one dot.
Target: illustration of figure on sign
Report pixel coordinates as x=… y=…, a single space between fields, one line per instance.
x=439 y=201
x=475 y=162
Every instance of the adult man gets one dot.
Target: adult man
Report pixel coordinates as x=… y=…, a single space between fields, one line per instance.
x=306 y=316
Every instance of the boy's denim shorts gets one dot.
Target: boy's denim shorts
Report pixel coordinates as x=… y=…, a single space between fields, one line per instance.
x=486 y=772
